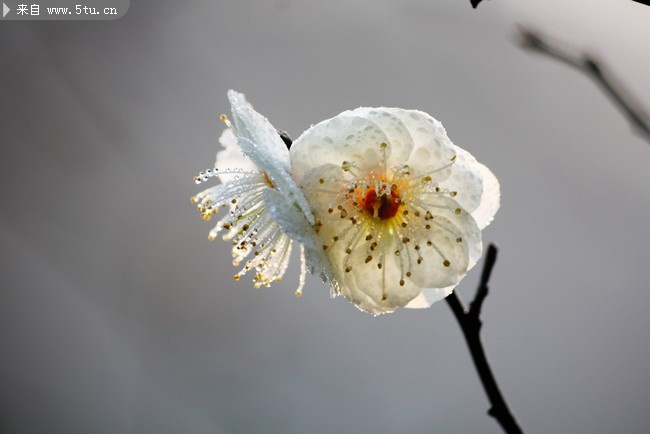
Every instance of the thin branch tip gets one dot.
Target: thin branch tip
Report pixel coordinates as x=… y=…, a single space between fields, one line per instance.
x=490 y=260
x=590 y=65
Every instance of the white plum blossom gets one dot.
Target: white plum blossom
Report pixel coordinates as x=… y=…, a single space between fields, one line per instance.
x=398 y=207
x=257 y=197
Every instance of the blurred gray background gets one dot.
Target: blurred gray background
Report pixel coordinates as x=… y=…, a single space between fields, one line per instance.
x=118 y=316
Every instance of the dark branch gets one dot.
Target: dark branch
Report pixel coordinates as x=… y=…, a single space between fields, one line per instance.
x=470 y=324
x=589 y=65
x=475 y=3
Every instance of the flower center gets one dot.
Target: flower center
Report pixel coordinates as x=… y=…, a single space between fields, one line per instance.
x=382 y=207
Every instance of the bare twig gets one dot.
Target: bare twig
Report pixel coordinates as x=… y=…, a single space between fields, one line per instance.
x=470 y=324
x=592 y=67
x=475 y=3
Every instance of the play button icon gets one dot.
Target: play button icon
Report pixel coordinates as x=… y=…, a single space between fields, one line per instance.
x=5 y=10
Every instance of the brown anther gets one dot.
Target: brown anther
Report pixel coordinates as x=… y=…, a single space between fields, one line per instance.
x=457 y=211
x=408 y=274
x=401 y=282
x=348 y=269
x=368 y=237
x=459 y=240
x=368 y=259
x=446 y=263
x=321 y=181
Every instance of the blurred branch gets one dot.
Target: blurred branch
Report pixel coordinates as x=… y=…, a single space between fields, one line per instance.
x=475 y=3
x=588 y=64
x=470 y=324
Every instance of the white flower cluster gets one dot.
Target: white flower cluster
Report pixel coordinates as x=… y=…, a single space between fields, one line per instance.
x=382 y=204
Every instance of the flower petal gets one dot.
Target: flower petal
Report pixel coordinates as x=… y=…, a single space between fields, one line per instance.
x=490 y=199
x=291 y=220
x=452 y=242
x=433 y=153
x=256 y=128
x=344 y=138
x=279 y=177
x=399 y=138
x=428 y=296
x=465 y=181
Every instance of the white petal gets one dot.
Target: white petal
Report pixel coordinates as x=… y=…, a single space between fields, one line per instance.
x=280 y=178
x=428 y=296
x=490 y=200
x=399 y=138
x=455 y=243
x=343 y=138
x=465 y=180
x=292 y=221
x=432 y=153
x=256 y=128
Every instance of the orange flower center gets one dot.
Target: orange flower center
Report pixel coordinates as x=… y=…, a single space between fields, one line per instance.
x=384 y=206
